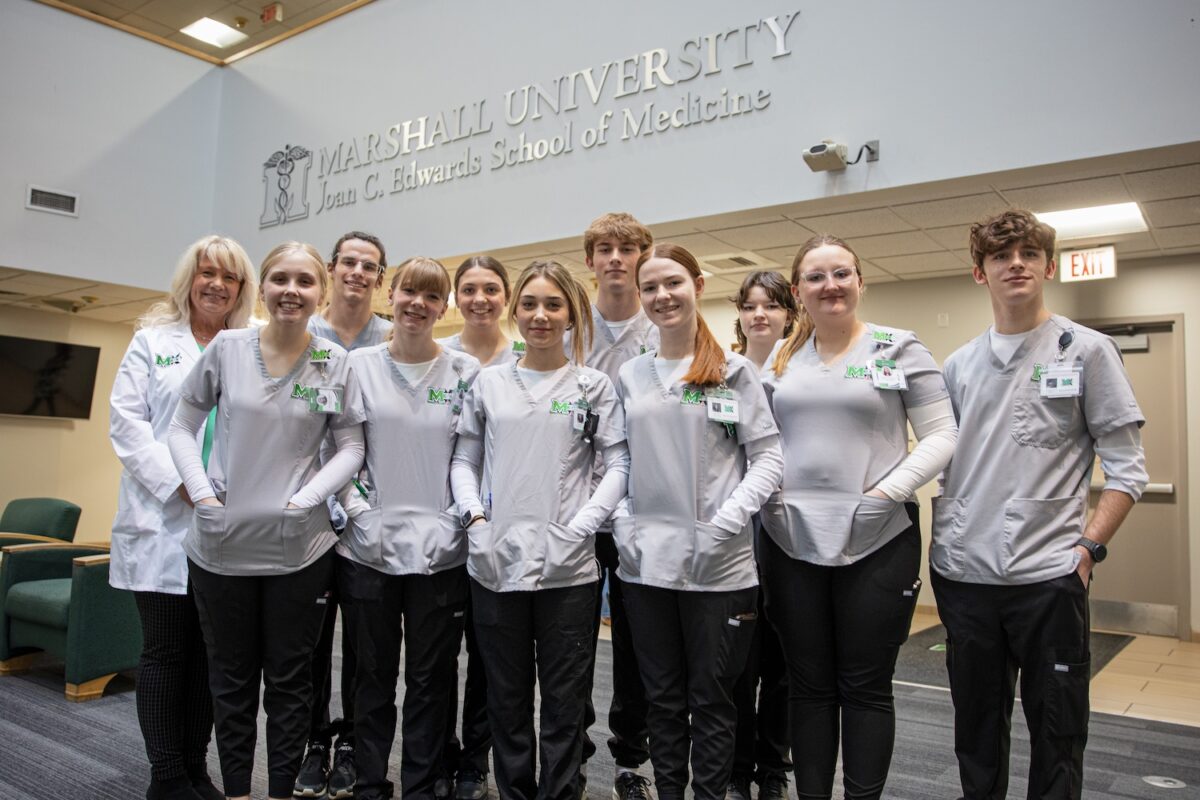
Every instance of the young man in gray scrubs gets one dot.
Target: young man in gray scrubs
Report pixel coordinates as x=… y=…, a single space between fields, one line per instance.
x=612 y=245
x=1037 y=396
x=356 y=271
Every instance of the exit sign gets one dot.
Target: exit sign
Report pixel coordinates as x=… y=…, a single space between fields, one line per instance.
x=1092 y=264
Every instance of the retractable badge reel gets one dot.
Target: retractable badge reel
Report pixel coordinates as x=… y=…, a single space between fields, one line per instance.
x=1061 y=379
x=583 y=419
x=327 y=398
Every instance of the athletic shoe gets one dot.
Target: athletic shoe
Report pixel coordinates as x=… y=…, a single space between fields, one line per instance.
x=631 y=786
x=314 y=771
x=341 y=776
x=443 y=788
x=773 y=786
x=203 y=786
x=472 y=785
x=739 y=788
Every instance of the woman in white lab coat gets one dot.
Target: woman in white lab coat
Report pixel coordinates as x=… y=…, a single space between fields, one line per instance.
x=213 y=289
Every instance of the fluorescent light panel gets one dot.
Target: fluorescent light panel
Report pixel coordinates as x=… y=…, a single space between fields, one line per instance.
x=1084 y=223
x=218 y=34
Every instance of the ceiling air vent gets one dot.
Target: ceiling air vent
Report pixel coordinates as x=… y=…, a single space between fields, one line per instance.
x=41 y=199
x=746 y=261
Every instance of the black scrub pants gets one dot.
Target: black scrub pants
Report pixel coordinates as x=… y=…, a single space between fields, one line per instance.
x=321 y=729
x=841 y=629
x=380 y=611
x=629 y=743
x=761 y=696
x=262 y=628
x=174 y=706
x=471 y=752
x=692 y=646
x=1041 y=630
x=544 y=634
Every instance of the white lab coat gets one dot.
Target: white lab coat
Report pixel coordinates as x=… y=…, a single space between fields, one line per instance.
x=151 y=521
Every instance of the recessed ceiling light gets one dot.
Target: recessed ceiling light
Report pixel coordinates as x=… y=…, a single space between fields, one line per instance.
x=218 y=34
x=1083 y=223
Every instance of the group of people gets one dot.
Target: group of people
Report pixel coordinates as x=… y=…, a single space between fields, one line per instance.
x=753 y=514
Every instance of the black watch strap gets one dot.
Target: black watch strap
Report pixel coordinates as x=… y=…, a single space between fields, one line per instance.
x=1099 y=552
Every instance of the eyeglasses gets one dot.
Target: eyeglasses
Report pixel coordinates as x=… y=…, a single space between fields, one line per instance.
x=840 y=276
x=351 y=263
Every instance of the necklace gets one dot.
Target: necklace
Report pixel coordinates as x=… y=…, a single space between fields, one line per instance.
x=202 y=338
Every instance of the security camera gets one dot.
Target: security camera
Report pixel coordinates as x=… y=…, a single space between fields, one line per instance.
x=826 y=156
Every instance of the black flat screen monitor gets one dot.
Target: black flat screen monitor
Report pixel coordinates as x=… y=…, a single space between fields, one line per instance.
x=46 y=379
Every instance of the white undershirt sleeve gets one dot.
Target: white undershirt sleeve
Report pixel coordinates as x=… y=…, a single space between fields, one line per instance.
x=341 y=467
x=464 y=472
x=1123 y=460
x=762 y=477
x=185 y=450
x=937 y=434
x=608 y=493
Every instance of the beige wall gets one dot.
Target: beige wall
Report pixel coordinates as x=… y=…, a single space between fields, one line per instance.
x=71 y=459
x=1154 y=287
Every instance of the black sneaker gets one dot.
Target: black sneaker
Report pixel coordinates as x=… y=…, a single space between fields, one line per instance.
x=631 y=786
x=314 y=771
x=443 y=788
x=341 y=776
x=739 y=788
x=472 y=785
x=773 y=786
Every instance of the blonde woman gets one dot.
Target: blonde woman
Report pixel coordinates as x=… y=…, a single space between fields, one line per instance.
x=260 y=545
x=213 y=290
x=536 y=425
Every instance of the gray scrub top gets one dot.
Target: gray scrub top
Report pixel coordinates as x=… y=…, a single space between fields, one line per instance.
x=412 y=526
x=508 y=356
x=821 y=514
x=682 y=468
x=607 y=352
x=537 y=474
x=1014 y=496
x=375 y=331
x=264 y=450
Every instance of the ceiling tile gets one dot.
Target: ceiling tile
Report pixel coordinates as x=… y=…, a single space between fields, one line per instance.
x=1161 y=184
x=102 y=7
x=664 y=231
x=849 y=224
x=734 y=219
x=150 y=26
x=772 y=234
x=926 y=262
x=1072 y=194
x=1167 y=213
x=128 y=5
x=783 y=256
x=949 y=273
x=893 y=244
x=870 y=269
x=952 y=211
x=176 y=14
x=701 y=245
x=1181 y=236
x=9 y=272
x=952 y=237
x=119 y=313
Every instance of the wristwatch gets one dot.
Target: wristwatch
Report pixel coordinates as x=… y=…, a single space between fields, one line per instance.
x=1099 y=552
x=470 y=517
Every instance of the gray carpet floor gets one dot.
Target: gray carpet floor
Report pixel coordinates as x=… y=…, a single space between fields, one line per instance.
x=50 y=748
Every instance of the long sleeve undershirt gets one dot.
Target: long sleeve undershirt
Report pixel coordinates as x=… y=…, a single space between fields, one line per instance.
x=763 y=473
x=937 y=434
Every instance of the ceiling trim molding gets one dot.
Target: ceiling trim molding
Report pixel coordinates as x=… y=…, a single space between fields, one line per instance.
x=219 y=62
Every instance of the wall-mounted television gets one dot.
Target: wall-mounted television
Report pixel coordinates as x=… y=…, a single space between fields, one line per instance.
x=46 y=379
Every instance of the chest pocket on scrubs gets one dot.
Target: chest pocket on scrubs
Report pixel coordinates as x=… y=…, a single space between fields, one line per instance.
x=1043 y=421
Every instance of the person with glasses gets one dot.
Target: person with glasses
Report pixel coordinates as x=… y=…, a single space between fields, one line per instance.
x=356 y=271
x=842 y=553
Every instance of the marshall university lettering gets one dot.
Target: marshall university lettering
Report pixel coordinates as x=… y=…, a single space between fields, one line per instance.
x=692 y=397
x=560 y=407
x=167 y=361
x=300 y=392
x=856 y=372
x=439 y=397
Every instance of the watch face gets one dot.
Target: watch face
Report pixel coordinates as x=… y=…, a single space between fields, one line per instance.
x=1099 y=552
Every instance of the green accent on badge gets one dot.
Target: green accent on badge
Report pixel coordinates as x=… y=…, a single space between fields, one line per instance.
x=1037 y=373
x=560 y=407
x=320 y=355
x=300 y=392
x=692 y=397
x=856 y=372
x=1067 y=381
x=643 y=350
x=885 y=363
x=168 y=361
x=439 y=397
x=883 y=336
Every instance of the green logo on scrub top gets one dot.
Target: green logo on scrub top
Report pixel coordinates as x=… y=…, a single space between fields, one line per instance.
x=438 y=397
x=856 y=372
x=883 y=336
x=1036 y=377
x=560 y=407
x=320 y=355
x=167 y=361
x=692 y=397
x=303 y=392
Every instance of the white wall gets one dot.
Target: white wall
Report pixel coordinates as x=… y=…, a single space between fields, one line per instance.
x=129 y=125
x=951 y=89
x=1159 y=287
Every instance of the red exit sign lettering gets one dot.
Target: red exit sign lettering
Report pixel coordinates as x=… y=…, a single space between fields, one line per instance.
x=1093 y=264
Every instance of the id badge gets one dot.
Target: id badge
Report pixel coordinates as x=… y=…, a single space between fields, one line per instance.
x=460 y=396
x=326 y=399
x=1062 y=380
x=886 y=375
x=722 y=406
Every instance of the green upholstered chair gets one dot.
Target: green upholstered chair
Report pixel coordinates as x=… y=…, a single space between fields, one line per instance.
x=55 y=598
x=38 y=519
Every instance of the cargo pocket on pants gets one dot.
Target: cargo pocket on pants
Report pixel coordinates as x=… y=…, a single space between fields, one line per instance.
x=1067 y=706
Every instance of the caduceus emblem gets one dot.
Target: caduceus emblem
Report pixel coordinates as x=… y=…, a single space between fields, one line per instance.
x=285 y=193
